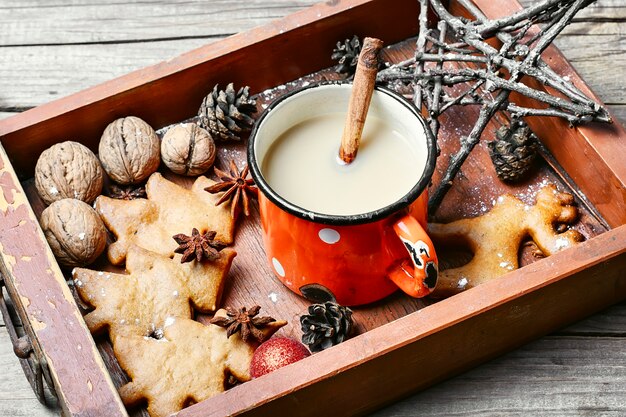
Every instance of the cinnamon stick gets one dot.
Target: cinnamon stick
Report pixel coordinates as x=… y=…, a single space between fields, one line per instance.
x=360 y=97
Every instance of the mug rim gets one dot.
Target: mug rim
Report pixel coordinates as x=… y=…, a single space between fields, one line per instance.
x=347 y=219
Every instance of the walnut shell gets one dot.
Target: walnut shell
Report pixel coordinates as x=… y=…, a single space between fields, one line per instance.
x=74 y=232
x=187 y=149
x=129 y=150
x=68 y=170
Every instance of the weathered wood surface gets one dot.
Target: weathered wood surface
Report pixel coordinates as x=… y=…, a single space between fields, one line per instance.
x=94 y=38
x=56 y=50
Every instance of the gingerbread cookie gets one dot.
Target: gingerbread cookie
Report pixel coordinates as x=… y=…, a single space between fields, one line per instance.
x=495 y=237
x=188 y=364
x=155 y=288
x=169 y=210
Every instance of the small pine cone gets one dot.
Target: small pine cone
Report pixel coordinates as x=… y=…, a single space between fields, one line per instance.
x=346 y=54
x=326 y=325
x=227 y=113
x=514 y=151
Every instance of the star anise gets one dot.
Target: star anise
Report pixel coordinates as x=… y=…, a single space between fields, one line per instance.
x=237 y=188
x=243 y=321
x=127 y=193
x=197 y=245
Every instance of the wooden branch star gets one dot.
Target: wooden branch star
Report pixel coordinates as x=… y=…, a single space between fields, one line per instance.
x=489 y=74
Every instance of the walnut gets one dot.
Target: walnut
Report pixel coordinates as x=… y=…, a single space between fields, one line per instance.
x=188 y=149
x=129 y=150
x=74 y=232
x=68 y=170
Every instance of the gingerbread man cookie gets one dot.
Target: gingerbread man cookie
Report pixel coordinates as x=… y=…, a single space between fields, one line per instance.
x=495 y=237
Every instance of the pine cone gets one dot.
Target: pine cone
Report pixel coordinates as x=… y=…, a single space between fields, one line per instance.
x=326 y=325
x=226 y=113
x=514 y=151
x=347 y=55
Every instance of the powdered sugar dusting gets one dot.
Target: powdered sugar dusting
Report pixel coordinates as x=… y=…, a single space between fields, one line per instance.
x=529 y=195
x=506 y=265
x=462 y=283
x=561 y=243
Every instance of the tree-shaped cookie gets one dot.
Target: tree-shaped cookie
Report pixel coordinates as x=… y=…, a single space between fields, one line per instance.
x=495 y=237
x=169 y=210
x=156 y=287
x=190 y=363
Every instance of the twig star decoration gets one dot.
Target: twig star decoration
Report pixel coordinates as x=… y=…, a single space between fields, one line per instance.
x=470 y=71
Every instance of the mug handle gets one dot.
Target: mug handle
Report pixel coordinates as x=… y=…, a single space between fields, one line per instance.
x=416 y=277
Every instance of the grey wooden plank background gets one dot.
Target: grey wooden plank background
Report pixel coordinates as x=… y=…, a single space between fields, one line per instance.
x=52 y=49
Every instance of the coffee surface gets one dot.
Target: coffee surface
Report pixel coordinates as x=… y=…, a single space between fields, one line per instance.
x=303 y=166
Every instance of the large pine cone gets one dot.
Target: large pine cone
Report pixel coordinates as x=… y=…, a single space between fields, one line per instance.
x=346 y=54
x=326 y=325
x=514 y=151
x=227 y=113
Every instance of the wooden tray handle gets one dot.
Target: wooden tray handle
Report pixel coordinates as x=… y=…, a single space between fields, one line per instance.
x=34 y=365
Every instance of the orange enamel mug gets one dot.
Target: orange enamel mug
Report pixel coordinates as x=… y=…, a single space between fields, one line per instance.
x=358 y=258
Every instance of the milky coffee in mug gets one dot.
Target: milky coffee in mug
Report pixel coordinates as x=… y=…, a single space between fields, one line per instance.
x=387 y=166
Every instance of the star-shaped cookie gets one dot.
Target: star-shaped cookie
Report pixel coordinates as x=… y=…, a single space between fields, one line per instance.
x=190 y=363
x=156 y=287
x=169 y=210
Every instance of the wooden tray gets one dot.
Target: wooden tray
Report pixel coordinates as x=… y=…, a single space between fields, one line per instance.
x=403 y=344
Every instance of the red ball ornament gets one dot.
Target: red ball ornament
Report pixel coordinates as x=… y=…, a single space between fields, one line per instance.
x=276 y=353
